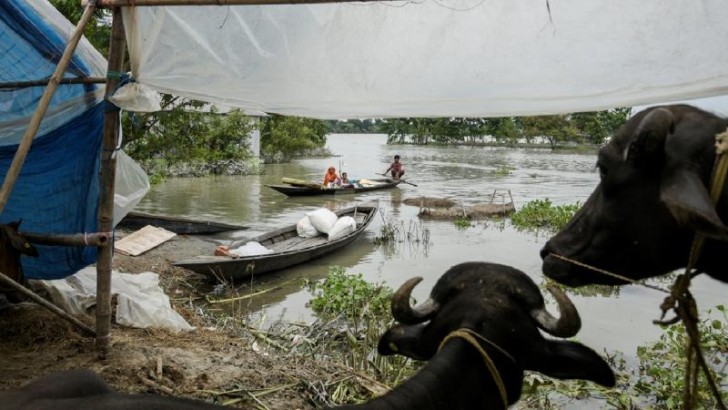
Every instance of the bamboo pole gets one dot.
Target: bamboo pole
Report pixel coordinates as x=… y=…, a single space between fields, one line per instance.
x=135 y=3
x=48 y=305
x=78 y=239
x=43 y=104
x=43 y=82
x=106 y=189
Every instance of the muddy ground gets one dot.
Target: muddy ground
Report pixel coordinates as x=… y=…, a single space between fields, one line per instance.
x=239 y=369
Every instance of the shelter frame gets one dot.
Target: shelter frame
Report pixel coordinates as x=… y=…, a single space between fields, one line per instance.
x=110 y=136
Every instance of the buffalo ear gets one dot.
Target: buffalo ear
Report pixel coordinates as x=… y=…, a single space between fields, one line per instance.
x=650 y=136
x=689 y=203
x=571 y=360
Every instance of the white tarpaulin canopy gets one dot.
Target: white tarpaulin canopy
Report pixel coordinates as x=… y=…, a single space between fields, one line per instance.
x=464 y=58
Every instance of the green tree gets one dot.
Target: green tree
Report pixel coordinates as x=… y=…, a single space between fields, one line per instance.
x=97 y=31
x=283 y=138
x=503 y=129
x=596 y=127
x=187 y=131
x=555 y=128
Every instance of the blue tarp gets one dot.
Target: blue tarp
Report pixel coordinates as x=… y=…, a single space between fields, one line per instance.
x=57 y=190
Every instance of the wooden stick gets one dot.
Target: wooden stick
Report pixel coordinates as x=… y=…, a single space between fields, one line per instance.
x=401 y=180
x=78 y=239
x=157 y=386
x=35 y=83
x=46 y=304
x=43 y=104
x=135 y=3
x=106 y=187
x=249 y=295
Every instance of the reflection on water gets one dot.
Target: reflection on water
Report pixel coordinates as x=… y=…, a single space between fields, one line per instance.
x=616 y=320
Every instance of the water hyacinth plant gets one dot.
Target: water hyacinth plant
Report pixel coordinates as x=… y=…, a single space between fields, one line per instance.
x=541 y=213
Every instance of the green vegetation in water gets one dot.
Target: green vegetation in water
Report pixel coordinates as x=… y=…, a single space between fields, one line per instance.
x=504 y=171
x=658 y=381
x=350 y=295
x=462 y=223
x=543 y=214
x=353 y=314
x=393 y=231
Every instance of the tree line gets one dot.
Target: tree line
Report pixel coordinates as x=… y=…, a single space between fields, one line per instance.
x=585 y=127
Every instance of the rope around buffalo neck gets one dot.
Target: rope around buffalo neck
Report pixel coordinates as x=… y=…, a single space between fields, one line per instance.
x=470 y=336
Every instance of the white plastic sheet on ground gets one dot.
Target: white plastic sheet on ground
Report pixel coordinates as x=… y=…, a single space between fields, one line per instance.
x=433 y=58
x=140 y=301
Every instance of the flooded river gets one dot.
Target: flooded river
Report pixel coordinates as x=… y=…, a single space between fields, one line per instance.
x=617 y=320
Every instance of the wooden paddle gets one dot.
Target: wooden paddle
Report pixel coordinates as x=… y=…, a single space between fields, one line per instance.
x=401 y=180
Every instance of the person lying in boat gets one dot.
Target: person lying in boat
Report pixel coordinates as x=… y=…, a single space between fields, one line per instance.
x=331 y=179
x=346 y=182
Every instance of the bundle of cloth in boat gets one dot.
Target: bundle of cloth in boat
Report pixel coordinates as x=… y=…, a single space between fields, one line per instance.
x=324 y=222
x=251 y=248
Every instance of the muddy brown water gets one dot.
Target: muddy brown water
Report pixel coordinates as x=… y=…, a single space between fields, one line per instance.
x=618 y=319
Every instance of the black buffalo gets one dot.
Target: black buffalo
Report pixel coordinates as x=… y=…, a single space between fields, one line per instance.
x=500 y=305
x=12 y=246
x=505 y=307
x=652 y=199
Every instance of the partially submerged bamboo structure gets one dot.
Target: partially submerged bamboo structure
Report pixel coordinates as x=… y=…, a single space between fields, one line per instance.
x=108 y=158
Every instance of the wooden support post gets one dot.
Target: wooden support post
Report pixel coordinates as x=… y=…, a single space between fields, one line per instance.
x=106 y=188
x=43 y=104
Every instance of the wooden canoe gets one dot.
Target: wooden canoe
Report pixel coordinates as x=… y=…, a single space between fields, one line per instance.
x=178 y=225
x=288 y=248
x=366 y=186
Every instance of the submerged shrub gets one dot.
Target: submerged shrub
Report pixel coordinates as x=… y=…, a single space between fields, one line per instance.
x=541 y=213
x=350 y=295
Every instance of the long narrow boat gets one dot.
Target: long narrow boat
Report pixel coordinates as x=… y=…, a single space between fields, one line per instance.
x=288 y=248
x=184 y=226
x=366 y=185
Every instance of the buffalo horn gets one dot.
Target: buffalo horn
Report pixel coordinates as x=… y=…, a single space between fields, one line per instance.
x=403 y=312
x=568 y=323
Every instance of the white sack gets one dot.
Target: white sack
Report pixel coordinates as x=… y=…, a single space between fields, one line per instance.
x=344 y=226
x=140 y=301
x=305 y=229
x=459 y=58
x=250 y=249
x=137 y=97
x=322 y=219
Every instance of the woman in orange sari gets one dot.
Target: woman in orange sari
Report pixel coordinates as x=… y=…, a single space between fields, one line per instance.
x=331 y=179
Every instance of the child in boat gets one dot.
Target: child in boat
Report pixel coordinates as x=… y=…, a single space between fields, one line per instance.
x=331 y=179
x=397 y=168
x=345 y=182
